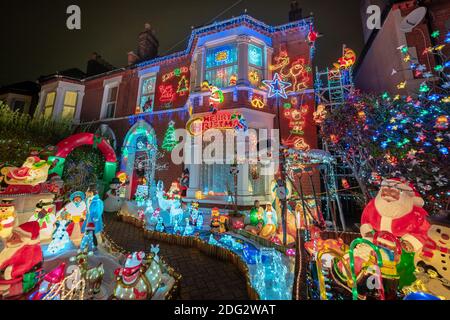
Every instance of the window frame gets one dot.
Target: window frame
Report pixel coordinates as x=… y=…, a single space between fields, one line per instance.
x=152 y=94
x=64 y=105
x=224 y=66
x=48 y=106
x=261 y=69
x=106 y=102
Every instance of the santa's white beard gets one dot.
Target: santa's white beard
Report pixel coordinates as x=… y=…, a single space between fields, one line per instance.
x=394 y=209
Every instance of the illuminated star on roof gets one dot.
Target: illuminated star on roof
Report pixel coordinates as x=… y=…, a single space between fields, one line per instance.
x=277 y=87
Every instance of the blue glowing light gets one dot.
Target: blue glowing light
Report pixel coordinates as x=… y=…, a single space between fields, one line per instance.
x=277 y=87
x=255 y=55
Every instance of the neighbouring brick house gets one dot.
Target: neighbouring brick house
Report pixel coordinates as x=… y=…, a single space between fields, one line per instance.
x=135 y=104
x=381 y=66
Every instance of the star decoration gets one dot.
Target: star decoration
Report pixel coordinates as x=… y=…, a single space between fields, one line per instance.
x=277 y=87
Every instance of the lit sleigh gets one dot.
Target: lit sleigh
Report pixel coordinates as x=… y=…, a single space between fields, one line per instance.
x=30 y=178
x=364 y=270
x=139 y=279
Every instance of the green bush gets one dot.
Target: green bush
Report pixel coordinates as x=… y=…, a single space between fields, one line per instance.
x=19 y=133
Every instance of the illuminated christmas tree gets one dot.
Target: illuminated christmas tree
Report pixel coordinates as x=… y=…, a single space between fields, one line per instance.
x=183 y=86
x=170 y=141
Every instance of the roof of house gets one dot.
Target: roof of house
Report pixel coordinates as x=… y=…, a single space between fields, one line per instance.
x=25 y=88
x=70 y=74
x=228 y=24
x=216 y=27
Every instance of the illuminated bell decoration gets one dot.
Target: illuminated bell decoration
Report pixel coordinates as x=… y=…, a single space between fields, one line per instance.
x=258 y=103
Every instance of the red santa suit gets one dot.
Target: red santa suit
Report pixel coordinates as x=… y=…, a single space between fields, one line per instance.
x=21 y=254
x=411 y=226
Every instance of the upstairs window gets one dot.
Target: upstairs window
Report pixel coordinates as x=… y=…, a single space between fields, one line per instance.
x=255 y=65
x=111 y=102
x=222 y=66
x=70 y=105
x=49 y=104
x=19 y=105
x=146 y=100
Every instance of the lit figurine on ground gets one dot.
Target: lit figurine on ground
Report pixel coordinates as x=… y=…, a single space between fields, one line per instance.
x=270 y=223
x=45 y=215
x=75 y=213
x=215 y=219
x=94 y=216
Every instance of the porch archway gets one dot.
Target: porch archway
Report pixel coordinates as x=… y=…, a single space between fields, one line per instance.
x=140 y=146
x=65 y=147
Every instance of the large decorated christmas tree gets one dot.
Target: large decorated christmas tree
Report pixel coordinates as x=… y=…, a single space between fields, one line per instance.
x=393 y=135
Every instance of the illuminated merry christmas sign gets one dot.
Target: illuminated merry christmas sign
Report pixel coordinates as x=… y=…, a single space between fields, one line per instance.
x=220 y=120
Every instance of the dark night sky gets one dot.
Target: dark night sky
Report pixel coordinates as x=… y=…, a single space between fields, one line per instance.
x=35 y=40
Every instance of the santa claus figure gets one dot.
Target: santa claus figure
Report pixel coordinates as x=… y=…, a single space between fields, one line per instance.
x=20 y=261
x=397 y=209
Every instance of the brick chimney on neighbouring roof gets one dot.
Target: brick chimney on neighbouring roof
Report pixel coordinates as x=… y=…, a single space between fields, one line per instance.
x=295 y=13
x=97 y=65
x=148 y=44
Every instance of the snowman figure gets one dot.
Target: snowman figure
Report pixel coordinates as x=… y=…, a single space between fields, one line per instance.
x=436 y=251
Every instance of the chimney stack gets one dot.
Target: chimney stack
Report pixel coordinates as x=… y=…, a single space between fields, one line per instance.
x=148 y=44
x=295 y=13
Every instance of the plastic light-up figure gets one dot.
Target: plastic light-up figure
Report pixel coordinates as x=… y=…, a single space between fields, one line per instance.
x=88 y=242
x=277 y=87
x=60 y=239
x=177 y=228
x=160 y=225
x=200 y=221
x=188 y=230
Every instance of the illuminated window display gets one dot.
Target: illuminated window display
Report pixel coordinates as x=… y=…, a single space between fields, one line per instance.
x=146 y=101
x=221 y=65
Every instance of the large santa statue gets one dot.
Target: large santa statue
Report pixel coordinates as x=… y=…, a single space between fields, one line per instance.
x=20 y=260
x=397 y=209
